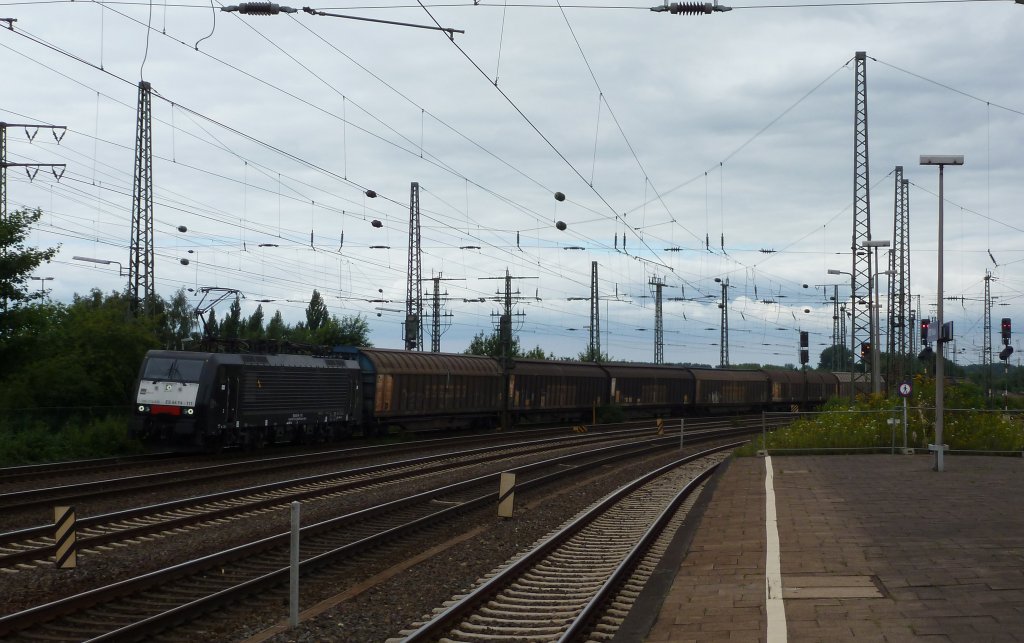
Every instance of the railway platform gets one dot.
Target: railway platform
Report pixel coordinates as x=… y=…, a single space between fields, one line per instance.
x=869 y=548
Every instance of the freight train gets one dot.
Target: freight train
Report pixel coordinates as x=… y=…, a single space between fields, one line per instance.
x=197 y=400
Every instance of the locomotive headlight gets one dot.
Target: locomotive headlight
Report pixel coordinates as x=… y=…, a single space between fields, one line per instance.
x=142 y=409
x=189 y=411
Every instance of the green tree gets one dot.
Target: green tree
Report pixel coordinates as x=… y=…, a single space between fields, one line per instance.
x=834 y=358
x=592 y=355
x=316 y=312
x=211 y=328
x=254 y=325
x=178 y=322
x=538 y=353
x=231 y=325
x=276 y=328
x=482 y=344
x=17 y=263
x=350 y=330
x=86 y=356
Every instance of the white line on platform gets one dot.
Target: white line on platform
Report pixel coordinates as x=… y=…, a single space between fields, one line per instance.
x=773 y=565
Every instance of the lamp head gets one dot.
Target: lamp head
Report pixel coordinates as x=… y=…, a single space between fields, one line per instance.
x=942 y=159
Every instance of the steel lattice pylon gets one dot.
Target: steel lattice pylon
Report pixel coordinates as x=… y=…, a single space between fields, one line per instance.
x=3 y=173
x=862 y=296
x=899 y=284
x=435 y=318
x=986 y=349
x=413 y=297
x=659 y=330
x=440 y=321
x=723 y=342
x=836 y=336
x=141 y=280
x=848 y=362
x=595 y=315
x=912 y=340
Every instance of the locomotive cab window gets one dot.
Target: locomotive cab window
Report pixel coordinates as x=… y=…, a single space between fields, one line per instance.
x=174 y=370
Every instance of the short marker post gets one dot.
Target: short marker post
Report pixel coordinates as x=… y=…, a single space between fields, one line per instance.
x=65 y=537
x=682 y=430
x=293 y=594
x=506 y=494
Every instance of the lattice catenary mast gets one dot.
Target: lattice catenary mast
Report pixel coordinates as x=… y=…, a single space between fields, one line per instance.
x=659 y=329
x=595 y=316
x=836 y=336
x=861 y=297
x=723 y=342
x=413 y=293
x=986 y=349
x=505 y=338
x=899 y=284
x=141 y=280
x=439 y=321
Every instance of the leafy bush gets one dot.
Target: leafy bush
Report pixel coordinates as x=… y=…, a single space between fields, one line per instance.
x=28 y=441
x=610 y=413
x=865 y=426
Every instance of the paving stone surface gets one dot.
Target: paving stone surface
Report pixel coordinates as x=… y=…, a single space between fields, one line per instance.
x=945 y=552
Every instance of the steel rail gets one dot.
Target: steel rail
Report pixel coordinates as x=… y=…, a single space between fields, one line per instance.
x=457 y=612
x=587 y=618
x=69 y=494
x=28 y=618
x=424 y=464
x=28 y=471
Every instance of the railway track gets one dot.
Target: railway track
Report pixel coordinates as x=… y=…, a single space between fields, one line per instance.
x=141 y=607
x=30 y=472
x=26 y=498
x=34 y=545
x=580 y=582
x=73 y=493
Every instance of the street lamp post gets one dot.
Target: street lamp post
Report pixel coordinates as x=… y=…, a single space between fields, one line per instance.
x=876 y=352
x=942 y=161
x=833 y=271
x=42 y=283
x=876 y=376
x=121 y=272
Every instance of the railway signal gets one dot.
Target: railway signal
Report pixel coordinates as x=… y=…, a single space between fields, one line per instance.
x=865 y=350
x=925 y=323
x=1006 y=331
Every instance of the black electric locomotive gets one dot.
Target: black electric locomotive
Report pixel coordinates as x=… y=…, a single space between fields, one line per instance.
x=212 y=400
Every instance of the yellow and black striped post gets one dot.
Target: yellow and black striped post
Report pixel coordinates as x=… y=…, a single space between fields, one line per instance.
x=661 y=426
x=506 y=494
x=65 y=537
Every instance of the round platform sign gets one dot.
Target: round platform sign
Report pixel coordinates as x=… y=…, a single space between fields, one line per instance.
x=905 y=389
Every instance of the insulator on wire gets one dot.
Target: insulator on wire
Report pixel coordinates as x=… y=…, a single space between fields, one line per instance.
x=259 y=8
x=689 y=8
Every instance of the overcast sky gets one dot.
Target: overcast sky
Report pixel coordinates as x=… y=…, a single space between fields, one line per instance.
x=689 y=148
